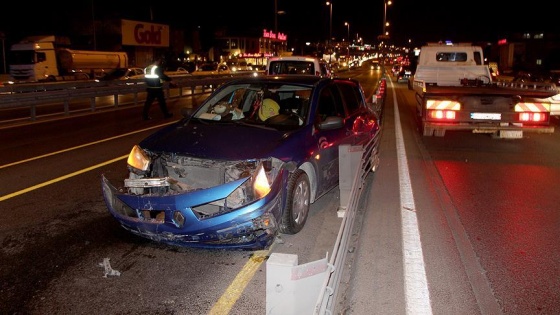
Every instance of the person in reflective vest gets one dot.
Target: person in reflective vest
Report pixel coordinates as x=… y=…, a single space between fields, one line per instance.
x=155 y=77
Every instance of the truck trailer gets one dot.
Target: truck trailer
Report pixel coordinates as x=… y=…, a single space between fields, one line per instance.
x=41 y=59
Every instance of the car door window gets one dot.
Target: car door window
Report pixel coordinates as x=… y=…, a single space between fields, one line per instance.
x=330 y=103
x=352 y=96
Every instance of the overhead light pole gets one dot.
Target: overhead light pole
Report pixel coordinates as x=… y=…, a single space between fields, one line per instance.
x=348 y=36
x=386 y=3
x=329 y=3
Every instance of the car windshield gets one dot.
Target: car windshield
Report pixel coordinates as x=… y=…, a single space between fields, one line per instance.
x=265 y=104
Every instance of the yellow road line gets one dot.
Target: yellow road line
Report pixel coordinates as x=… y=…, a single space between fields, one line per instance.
x=235 y=289
x=52 y=181
x=80 y=146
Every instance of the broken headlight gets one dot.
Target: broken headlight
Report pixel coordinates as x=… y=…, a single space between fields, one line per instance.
x=137 y=159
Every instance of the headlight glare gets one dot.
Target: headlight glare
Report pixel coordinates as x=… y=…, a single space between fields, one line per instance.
x=261 y=185
x=138 y=159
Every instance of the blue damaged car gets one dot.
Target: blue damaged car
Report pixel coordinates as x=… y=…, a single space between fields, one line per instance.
x=245 y=165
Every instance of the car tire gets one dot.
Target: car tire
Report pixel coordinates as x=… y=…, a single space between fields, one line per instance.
x=297 y=203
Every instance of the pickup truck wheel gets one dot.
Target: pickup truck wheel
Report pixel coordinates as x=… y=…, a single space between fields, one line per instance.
x=297 y=203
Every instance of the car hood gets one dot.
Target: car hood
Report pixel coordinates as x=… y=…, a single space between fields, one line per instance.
x=211 y=140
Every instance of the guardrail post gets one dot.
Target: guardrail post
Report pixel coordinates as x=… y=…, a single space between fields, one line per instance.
x=348 y=163
x=116 y=99
x=92 y=103
x=293 y=289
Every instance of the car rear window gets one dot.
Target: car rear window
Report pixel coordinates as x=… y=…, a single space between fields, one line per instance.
x=291 y=67
x=451 y=56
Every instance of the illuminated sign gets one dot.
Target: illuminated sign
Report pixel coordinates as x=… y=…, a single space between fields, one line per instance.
x=144 y=34
x=272 y=35
x=255 y=55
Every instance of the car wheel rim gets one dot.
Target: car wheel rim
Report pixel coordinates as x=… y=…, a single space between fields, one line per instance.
x=301 y=202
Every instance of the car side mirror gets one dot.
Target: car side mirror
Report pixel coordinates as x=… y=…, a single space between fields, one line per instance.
x=331 y=122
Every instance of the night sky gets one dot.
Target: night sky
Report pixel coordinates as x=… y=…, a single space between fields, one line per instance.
x=307 y=20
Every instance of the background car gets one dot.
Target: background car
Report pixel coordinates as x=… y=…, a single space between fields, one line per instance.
x=244 y=165
x=301 y=65
x=404 y=74
x=212 y=68
x=179 y=72
x=239 y=65
x=123 y=74
x=395 y=69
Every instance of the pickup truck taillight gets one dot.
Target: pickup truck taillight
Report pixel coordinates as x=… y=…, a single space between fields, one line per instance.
x=441 y=114
x=533 y=112
x=442 y=109
x=533 y=117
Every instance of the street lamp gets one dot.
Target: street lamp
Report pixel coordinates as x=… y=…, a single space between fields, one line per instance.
x=276 y=14
x=387 y=3
x=330 y=21
x=348 y=36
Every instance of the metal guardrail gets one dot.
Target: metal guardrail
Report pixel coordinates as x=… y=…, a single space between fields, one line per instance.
x=34 y=94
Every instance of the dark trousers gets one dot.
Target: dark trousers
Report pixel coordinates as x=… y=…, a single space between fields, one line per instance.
x=153 y=94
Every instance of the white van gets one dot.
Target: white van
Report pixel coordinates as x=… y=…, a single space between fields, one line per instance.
x=297 y=65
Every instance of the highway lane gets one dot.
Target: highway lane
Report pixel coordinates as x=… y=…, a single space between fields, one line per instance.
x=484 y=205
x=496 y=201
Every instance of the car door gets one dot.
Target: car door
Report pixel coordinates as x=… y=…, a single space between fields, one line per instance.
x=329 y=108
x=360 y=122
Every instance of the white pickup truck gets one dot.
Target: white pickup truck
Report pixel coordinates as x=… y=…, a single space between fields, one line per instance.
x=455 y=91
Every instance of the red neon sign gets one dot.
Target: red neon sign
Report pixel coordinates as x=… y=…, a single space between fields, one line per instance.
x=272 y=35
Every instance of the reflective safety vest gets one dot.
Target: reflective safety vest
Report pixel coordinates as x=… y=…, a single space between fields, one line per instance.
x=152 y=77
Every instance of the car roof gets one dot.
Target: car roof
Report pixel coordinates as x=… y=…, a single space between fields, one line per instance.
x=297 y=58
x=286 y=78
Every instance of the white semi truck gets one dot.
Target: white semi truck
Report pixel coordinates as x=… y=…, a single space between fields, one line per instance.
x=42 y=59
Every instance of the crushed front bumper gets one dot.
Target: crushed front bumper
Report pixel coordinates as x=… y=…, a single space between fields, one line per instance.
x=169 y=218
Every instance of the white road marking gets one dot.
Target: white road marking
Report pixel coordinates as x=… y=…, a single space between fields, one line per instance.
x=417 y=294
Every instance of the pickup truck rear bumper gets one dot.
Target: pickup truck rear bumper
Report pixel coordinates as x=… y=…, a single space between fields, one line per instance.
x=438 y=129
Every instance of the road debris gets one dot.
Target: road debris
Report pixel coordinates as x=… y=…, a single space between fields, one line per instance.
x=108 y=270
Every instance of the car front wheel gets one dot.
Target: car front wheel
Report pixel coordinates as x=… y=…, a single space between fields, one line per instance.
x=297 y=203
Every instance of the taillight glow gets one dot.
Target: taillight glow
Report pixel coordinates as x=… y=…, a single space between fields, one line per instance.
x=442 y=114
x=533 y=117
